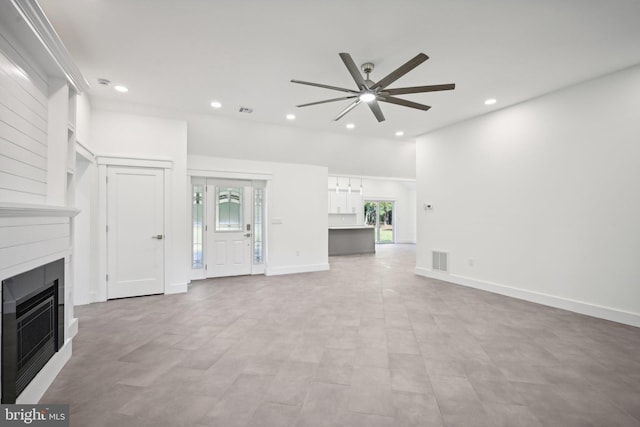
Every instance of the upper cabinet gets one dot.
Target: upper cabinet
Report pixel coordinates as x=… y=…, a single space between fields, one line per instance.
x=337 y=202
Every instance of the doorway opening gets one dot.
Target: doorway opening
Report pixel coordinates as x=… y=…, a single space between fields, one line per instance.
x=379 y=214
x=227 y=227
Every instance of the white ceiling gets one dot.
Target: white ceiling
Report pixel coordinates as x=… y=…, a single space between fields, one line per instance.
x=182 y=54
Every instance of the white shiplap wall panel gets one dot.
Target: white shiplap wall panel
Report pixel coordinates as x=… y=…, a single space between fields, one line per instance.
x=22 y=254
x=25 y=242
x=21 y=139
x=21 y=184
x=18 y=106
x=27 y=234
x=12 y=86
x=21 y=123
x=15 y=167
x=19 y=196
x=13 y=151
x=23 y=130
x=28 y=78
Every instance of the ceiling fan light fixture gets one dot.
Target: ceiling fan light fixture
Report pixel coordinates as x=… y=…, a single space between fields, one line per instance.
x=371 y=92
x=216 y=104
x=121 y=89
x=367 y=97
x=350 y=125
x=490 y=101
x=291 y=116
x=399 y=133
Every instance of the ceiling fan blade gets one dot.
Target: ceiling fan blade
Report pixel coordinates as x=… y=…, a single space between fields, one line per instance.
x=420 y=89
x=325 y=86
x=353 y=70
x=404 y=103
x=327 y=100
x=346 y=110
x=401 y=71
x=375 y=109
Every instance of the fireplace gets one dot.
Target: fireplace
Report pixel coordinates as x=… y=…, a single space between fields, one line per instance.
x=32 y=325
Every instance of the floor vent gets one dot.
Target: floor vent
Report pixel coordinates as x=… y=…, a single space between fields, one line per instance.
x=440 y=261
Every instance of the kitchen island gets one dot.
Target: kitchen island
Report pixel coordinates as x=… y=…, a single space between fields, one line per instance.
x=351 y=240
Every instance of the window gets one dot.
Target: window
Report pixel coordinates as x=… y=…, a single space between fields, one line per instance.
x=229 y=208
x=197 y=213
x=258 y=213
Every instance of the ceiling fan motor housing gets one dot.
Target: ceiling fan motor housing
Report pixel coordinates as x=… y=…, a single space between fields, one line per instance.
x=367 y=68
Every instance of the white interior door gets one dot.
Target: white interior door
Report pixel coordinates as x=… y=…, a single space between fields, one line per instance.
x=228 y=228
x=135 y=231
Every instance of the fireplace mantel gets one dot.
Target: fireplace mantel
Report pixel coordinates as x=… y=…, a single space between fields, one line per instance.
x=8 y=210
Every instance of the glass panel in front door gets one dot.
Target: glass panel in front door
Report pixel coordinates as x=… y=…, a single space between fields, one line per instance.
x=229 y=208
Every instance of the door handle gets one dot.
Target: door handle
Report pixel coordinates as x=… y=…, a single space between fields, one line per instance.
x=159 y=237
x=247 y=235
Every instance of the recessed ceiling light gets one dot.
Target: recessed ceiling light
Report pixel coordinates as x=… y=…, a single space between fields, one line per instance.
x=490 y=101
x=399 y=133
x=350 y=126
x=121 y=89
x=291 y=116
x=216 y=104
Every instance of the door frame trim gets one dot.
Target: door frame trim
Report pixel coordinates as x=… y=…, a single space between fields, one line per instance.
x=103 y=163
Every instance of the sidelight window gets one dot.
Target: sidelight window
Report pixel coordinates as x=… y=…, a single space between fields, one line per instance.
x=258 y=232
x=197 y=212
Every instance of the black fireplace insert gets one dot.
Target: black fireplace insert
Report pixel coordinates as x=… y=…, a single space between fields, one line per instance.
x=32 y=325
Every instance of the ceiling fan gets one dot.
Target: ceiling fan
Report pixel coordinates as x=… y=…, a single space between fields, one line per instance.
x=371 y=92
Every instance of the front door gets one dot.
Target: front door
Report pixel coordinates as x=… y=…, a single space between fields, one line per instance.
x=228 y=228
x=135 y=231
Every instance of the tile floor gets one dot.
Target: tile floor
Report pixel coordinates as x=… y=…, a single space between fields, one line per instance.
x=367 y=343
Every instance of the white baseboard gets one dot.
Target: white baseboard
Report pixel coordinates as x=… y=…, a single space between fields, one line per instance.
x=176 y=288
x=608 y=313
x=293 y=269
x=73 y=328
x=41 y=382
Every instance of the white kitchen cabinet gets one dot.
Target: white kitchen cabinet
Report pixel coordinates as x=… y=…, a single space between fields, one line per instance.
x=338 y=202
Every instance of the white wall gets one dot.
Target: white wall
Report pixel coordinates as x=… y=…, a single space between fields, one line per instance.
x=348 y=154
x=149 y=137
x=85 y=242
x=543 y=196
x=297 y=196
x=244 y=138
x=83 y=120
x=85 y=233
